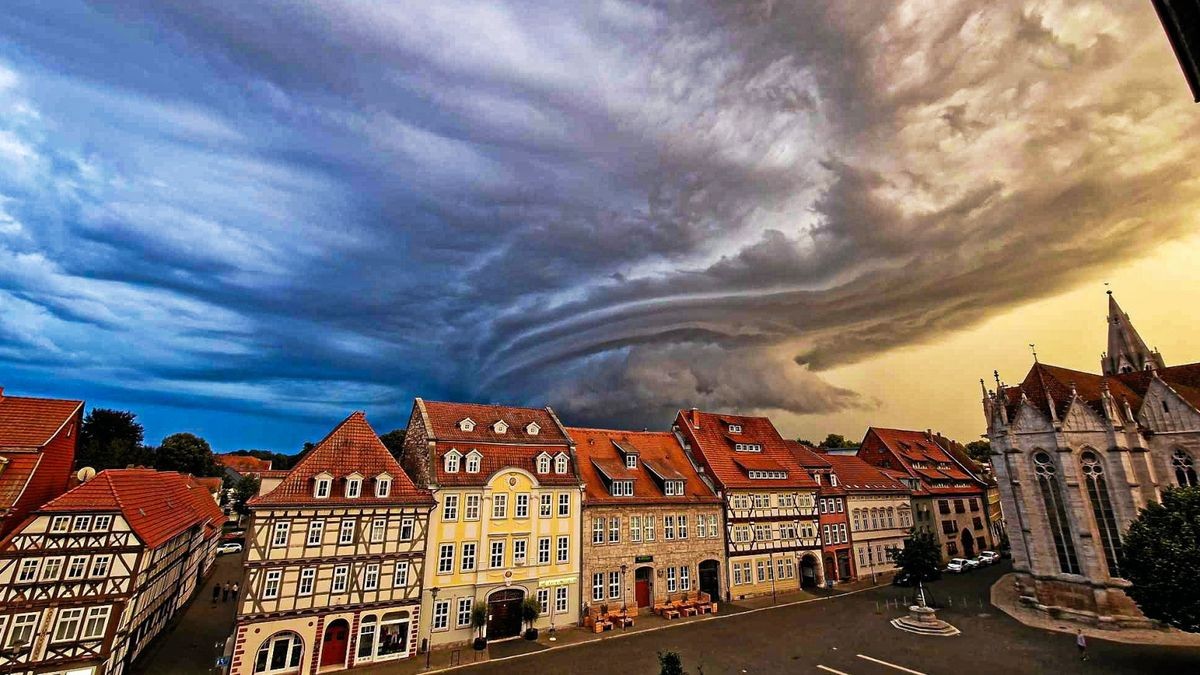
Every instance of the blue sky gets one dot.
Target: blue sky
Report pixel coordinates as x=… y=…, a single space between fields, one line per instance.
x=247 y=219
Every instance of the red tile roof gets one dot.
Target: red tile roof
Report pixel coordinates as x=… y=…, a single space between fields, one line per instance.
x=855 y=475
x=1045 y=382
x=351 y=447
x=244 y=463
x=658 y=452
x=939 y=472
x=27 y=422
x=158 y=505
x=15 y=474
x=443 y=423
x=213 y=485
x=710 y=439
x=808 y=457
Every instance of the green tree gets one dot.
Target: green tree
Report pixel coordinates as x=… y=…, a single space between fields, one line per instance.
x=531 y=609
x=186 y=453
x=110 y=439
x=394 y=442
x=837 y=441
x=980 y=451
x=245 y=488
x=670 y=663
x=1160 y=556
x=921 y=556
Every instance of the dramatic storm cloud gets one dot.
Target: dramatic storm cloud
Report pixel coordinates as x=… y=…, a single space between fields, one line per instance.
x=288 y=209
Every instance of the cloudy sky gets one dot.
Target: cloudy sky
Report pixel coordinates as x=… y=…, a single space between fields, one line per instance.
x=247 y=219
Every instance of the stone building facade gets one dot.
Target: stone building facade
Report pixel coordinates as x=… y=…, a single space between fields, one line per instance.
x=880 y=511
x=1077 y=454
x=653 y=528
x=834 y=518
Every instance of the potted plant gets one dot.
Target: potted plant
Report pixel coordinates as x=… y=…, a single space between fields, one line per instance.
x=478 y=621
x=531 y=609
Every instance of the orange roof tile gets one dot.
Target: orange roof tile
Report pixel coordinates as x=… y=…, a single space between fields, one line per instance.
x=855 y=475
x=444 y=418
x=244 y=463
x=658 y=453
x=27 y=422
x=710 y=439
x=494 y=458
x=941 y=474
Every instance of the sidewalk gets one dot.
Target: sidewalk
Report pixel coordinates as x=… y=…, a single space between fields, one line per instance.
x=1004 y=597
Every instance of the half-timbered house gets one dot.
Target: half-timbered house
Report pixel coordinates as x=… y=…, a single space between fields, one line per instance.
x=334 y=561
x=90 y=578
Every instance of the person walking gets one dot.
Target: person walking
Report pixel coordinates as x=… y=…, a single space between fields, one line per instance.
x=1081 y=643
x=233 y=591
x=225 y=592
x=216 y=592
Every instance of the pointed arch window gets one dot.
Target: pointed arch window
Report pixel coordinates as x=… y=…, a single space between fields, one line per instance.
x=1185 y=469
x=1056 y=512
x=1097 y=489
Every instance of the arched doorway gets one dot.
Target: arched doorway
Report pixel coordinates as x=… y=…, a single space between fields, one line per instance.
x=710 y=578
x=279 y=653
x=808 y=571
x=968 y=544
x=333 y=645
x=830 y=569
x=504 y=613
x=643 y=585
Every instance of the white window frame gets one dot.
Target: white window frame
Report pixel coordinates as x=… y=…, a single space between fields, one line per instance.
x=545 y=505
x=22 y=624
x=271 y=584
x=341 y=579
x=668 y=528
x=445 y=561
x=102 y=523
x=316 y=532
x=560 y=463
x=522 y=506
x=469 y=553
x=323 y=488
x=67 y=619
x=101 y=564
x=671 y=582
x=450 y=461
x=471 y=507
x=441 y=615
x=81 y=524
x=560 y=599
x=473 y=461
x=407 y=528
x=649 y=528
x=308 y=580
x=564 y=550
x=400 y=574
x=543 y=551
x=60 y=524
x=52 y=568
x=280 y=533
x=635 y=529
x=371 y=577
x=520 y=550
x=346 y=531
x=543 y=463
x=496 y=554
x=95 y=622
x=29 y=570
x=614 y=585
x=77 y=567
x=614 y=530
x=383 y=487
x=353 y=488
x=597 y=586
x=499 y=506
x=598 y=530
x=564 y=504
x=682 y=525
x=463 y=616
x=450 y=508
x=543 y=598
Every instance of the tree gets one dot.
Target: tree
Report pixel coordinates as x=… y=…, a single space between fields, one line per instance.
x=531 y=609
x=478 y=621
x=278 y=460
x=186 y=453
x=1160 y=556
x=805 y=441
x=921 y=556
x=670 y=663
x=394 y=442
x=110 y=439
x=837 y=441
x=245 y=488
x=980 y=451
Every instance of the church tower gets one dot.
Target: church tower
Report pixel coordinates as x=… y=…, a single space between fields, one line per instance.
x=1127 y=352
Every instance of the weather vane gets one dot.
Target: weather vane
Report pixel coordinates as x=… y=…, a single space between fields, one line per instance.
x=1033 y=348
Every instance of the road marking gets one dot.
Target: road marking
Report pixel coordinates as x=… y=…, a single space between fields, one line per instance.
x=831 y=670
x=890 y=665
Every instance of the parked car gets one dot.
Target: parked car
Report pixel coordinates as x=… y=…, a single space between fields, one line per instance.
x=989 y=557
x=231 y=547
x=974 y=563
x=957 y=566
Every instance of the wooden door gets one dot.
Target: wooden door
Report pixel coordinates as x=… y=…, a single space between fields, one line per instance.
x=333 y=647
x=504 y=613
x=641 y=586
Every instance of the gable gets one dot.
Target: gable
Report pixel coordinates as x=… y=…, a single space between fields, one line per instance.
x=1165 y=410
x=1029 y=418
x=1082 y=417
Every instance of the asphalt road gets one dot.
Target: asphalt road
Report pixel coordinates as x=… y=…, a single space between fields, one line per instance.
x=851 y=635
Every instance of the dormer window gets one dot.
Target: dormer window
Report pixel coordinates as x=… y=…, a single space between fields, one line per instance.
x=500 y=427
x=631 y=461
x=560 y=464
x=473 y=459
x=467 y=424
x=353 y=485
x=533 y=429
x=383 y=485
x=817 y=477
x=833 y=479
x=622 y=488
x=451 y=461
x=673 y=488
x=543 y=463
x=323 y=486
x=735 y=428
x=747 y=447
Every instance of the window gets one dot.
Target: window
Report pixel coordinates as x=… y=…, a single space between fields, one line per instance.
x=450 y=508
x=948 y=527
x=543 y=598
x=1056 y=513
x=519 y=546
x=543 y=463
x=522 y=506
x=532 y=429
x=468 y=556
x=353 y=488
x=1106 y=522
x=496 y=560
x=598 y=586
x=82 y=523
x=371 y=577
x=564 y=550
x=383 y=487
x=614 y=530
x=974 y=504
x=621 y=488
x=649 y=528
x=52 y=570
x=307 y=577
x=406 y=529
x=943 y=507
x=322 y=488
x=400 y=576
x=762 y=501
x=471 y=512
x=464 y=613
x=279 y=538
x=346 y=531
x=977 y=523
x=280 y=654
x=762 y=571
x=96 y=622
x=271 y=586
x=824 y=507
x=673 y=488
x=315 y=530
x=66 y=627
x=499 y=506
x=635 y=529
x=378 y=528
x=631 y=461
x=451 y=461
x=102 y=523
x=441 y=614
x=341 y=577
x=21 y=633
x=671 y=580
x=668 y=527
x=614 y=584
x=685 y=577
x=366 y=638
x=735 y=428
x=712 y=525
x=473 y=459
x=564 y=505
x=500 y=427
x=100 y=566
x=467 y=424
x=737 y=574
x=543 y=551
x=891 y=517
x=597 y=530
x=77 y=568
x=560 y=599
x=683 y=527
x=545 y=506
x=60 y=524
x=560 y=463
x=825 y=534
x=29 y=568
x=959 y=507
x=1185 y=469
x=842 y=530
x=445 y=559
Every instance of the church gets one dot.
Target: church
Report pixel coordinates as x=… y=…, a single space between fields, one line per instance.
x=1077 y=455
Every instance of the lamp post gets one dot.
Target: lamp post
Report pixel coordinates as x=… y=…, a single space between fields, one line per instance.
x=624 y=602
x=429 y=647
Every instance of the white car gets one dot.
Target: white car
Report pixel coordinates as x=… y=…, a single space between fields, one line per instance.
x=989 y=557
x=957 y=566
x=231 y=547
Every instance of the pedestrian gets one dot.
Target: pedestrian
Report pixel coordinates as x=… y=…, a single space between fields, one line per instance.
x=216 y=592
x=233 y=591
x=1081 y=642
x=225 y=592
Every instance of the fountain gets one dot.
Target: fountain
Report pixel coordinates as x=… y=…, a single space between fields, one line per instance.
x=923 y=620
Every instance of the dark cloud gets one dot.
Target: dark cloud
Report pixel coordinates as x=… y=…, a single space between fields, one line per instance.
x=620 y=208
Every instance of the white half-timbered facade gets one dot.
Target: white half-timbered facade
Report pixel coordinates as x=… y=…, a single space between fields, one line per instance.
x=334 y=561
x=88 y=580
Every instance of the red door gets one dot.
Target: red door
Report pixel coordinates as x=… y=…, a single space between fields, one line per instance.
x=642 y=587
x=333 y=647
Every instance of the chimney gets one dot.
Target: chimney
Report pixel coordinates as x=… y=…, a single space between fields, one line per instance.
x=695 y=418
x=1 y=392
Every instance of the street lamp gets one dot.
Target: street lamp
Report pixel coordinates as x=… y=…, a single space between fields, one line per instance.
x=624 y=603
x=429 y=647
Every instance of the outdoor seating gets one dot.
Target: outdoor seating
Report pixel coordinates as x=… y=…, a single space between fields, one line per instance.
x=670 y=613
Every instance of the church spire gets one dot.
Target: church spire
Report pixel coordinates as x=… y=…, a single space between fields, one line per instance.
x=1127 y=352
